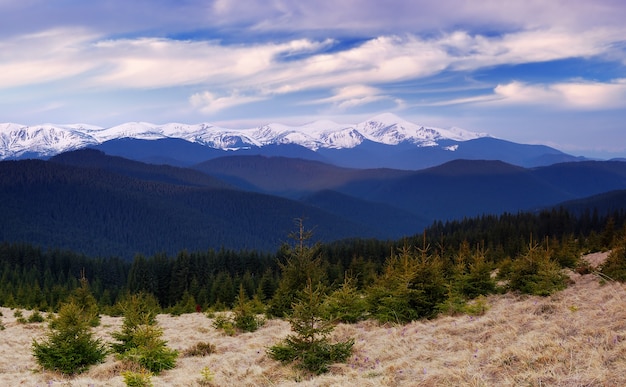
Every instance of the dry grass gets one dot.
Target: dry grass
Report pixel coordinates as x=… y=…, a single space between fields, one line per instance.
x=574 y=338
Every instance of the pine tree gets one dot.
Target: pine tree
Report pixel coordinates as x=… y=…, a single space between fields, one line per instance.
x=140 y=338
x=411 y=287
x=302 y=264
x=70 y=347
x=534 y=272
x=309 y=345
x=615 y=265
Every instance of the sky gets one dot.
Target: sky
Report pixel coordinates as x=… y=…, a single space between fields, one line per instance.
x=549 y=72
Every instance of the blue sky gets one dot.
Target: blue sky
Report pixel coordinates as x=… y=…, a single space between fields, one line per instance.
x=531 y=71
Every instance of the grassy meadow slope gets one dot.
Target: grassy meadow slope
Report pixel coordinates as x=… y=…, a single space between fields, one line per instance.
x=576 y=337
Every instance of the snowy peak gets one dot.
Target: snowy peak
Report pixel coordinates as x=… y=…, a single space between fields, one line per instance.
x=390 y=129
x=42 y=140
x=46 y=140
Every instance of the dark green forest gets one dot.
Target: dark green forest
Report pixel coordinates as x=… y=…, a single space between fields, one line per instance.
x=456 y=256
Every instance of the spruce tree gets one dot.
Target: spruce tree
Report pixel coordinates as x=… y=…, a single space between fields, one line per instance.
x=300 y=295
x=302 y=264
x=411 y=287
x=140 y=338
x=70 y=347
x=309 y=345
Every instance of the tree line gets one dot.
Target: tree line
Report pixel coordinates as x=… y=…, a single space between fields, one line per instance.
x=31 y=277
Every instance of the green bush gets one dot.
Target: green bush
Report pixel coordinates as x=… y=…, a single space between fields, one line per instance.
x=150 y=351
x=223 y=322
x=299 y=264
x=536 y=274
x=615 y=265
x=187 y=304
x=19 y=316
x=140 y=339
x=244 y=314
x=411 y=287
x=138 y=310
x=346 y=304
x=35 y=317
x=472 y=274
x=70 y=347
x=82 y=296
x=207 y=377
x=309 y=346
x=143 y=378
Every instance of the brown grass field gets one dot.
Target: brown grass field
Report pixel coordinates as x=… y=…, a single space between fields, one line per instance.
x=576 y=337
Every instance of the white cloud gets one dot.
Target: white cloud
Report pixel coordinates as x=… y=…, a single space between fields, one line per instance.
x=159 y=62
x=356 y=74
x=209 y=103
x=351 y=96
x=383 y=18
x=577 y=95
x=43 y=57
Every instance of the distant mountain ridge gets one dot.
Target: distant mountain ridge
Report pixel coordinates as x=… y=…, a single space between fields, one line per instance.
x=100 y=204
x=452 y=190
x=382 y=141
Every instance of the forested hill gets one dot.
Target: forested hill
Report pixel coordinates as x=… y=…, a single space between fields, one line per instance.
x=113 y=213
x=104 y=205
x=40 y=278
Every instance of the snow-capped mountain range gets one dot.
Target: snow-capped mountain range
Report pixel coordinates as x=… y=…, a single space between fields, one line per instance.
x=20 y=141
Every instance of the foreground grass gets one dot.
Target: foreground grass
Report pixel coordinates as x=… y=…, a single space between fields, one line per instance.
x=576 y=337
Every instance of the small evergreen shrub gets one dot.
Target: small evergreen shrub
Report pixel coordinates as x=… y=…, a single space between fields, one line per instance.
x=35 y=317
x=615 y=265
x=143 y=378
x=244 y=317
x=70 y=347
x=140 y=340
x=82 y=296
x=346 y=304
x=411 y=286
x=150 y=351
x=223 y=322
x=207 y=377
x=244 y=314
x=298 y=265
x=19 y=316
x=536 y=274
x=187 y=304
x=309 y=346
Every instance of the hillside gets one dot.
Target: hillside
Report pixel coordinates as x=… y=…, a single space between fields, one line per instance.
x=104 y=205
x=453 y=190
x=105 y=212
x=575 y=337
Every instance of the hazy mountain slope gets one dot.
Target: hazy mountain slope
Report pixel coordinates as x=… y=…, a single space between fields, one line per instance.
x=453 y=190
x=172 y=151
x=460 y=188
x=91 y=158
x=97 y=212
x=585 y=178
x=407 y=156
x=398 y=222
x=604 y=203
x=288 y=176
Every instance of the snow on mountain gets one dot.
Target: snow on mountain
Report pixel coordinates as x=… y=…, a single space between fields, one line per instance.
x=390 y=129
x=42 y=140
x=47 y=139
